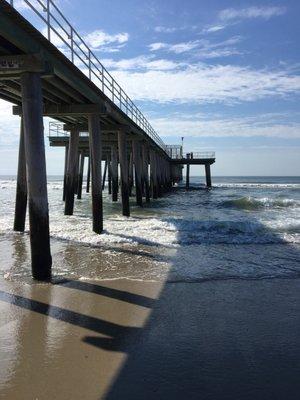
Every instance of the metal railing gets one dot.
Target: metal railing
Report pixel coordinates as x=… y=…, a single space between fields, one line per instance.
x=201 y=155
x=61 y=33
x=56 y=129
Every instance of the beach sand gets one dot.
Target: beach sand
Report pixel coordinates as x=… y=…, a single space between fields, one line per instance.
x=126 y=339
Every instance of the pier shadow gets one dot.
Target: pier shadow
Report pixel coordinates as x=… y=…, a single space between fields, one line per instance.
x=230 y=337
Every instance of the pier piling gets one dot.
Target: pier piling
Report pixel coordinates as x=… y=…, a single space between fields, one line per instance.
x=208 y=175
x=136 y=151
x=71 y=171
x=187 y=182
x=21 y=192
x=124 y=173
x=114 y=173
x=145 y=161
x=65 y=171
x=96 y=156
x=80 y=175
x=32 y=109
x=88 y=176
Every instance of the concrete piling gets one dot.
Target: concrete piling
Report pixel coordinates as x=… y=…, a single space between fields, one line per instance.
x=21 y=192
x=124 y=173
x=32 y=108
x=96 y=156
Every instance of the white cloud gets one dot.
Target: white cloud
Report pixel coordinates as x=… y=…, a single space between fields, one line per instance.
x=165 y=29
x=213 y=28
x=141 y=63
x=205 y=48
x=203 y=83
x=268 y=125
x=157 y=46
x=99 y=39
x=251 y=12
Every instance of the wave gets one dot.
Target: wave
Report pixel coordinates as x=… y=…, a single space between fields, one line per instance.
x=258 y=185
x=252 y=203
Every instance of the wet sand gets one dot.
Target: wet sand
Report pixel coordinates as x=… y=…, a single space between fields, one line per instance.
x=125 y=339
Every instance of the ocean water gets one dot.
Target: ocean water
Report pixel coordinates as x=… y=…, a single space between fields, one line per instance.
x=244 y=227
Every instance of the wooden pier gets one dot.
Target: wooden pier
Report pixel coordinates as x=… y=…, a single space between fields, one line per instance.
x=97 y=122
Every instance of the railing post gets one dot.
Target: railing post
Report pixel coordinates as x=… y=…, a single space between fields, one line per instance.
x=90 y=68
x=72 y=44
x=48 y=20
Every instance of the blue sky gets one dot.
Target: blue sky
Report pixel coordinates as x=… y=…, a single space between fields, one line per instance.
x=223 y=74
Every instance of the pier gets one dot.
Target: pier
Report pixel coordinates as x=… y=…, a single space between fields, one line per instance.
x=96 y=122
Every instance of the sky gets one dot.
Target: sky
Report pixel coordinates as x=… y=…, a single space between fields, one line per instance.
x=222 y=74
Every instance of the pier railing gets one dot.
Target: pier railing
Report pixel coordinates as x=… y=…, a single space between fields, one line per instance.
x=201 y=155
x=56 y=129
x=64 y=36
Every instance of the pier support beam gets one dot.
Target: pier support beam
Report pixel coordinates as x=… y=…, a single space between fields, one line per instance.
x=32 y=107
x=114 y=173
x=71 y=171
x=21 y=193
x=145 y=157
x=80 y=176
x=96 y=156
x=124 y=172
x=136 y=151
x=187 y=182
x=208 y=175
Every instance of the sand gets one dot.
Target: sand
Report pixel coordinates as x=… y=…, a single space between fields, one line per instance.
x=125 y=339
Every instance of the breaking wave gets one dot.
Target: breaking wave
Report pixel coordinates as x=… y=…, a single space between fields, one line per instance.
x=252 y=203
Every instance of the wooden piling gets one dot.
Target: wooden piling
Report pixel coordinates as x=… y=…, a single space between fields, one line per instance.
x=124 y=172
x=21 y=192
x=80 y=176
x=208 y=175
x=114 y=173
x=71 y=171
x=32 y=108
x=96 y=156
x=136 y=152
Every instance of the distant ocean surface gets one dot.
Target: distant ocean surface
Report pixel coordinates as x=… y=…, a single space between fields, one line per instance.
x=245 y=227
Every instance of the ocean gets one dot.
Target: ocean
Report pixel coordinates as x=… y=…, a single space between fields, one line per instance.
x=244 y=227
